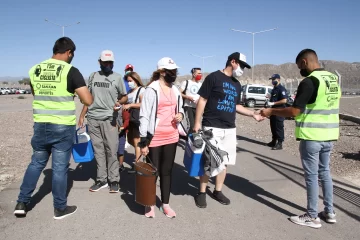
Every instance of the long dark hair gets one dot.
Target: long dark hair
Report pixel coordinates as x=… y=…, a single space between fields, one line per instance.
x=155 y=76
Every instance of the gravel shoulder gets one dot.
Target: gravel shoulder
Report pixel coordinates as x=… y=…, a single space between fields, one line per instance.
x=17 y=124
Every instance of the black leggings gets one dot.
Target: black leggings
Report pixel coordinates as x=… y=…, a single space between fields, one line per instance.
x=163 y=158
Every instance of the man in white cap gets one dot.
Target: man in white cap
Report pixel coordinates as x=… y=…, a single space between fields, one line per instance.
x=108 y=90
x=218 y=104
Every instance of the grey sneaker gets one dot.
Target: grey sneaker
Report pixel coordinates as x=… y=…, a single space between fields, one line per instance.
x=97 y=186
x=329 y=217
x=306 y=220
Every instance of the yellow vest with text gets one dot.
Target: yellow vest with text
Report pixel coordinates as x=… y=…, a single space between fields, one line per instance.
x=52 y=102
x=320 y=120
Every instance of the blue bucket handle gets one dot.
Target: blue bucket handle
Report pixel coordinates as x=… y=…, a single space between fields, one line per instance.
x=76 y=135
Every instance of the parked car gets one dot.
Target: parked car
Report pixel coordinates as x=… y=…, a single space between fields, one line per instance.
x=20 y=91
x=27 y=91
x=255 y=94
x=5 y=91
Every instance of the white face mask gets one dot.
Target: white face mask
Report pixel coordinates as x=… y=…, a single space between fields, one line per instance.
x=132 y=85
x=238 y=72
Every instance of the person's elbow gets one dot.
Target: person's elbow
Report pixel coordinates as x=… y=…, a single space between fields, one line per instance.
x=85 y=96
x=88 y=100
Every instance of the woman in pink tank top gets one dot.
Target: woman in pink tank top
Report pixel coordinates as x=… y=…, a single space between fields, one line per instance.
x=159 y=118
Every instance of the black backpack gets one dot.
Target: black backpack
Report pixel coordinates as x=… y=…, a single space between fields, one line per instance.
x=184 y=92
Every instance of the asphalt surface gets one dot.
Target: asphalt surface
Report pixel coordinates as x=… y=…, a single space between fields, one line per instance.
x=265 y=188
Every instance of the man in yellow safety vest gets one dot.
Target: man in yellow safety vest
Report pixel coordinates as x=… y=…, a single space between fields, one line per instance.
x=53 y=83
x=316 y=112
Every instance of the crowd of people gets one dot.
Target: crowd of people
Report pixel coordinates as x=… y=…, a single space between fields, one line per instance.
x=120 y=109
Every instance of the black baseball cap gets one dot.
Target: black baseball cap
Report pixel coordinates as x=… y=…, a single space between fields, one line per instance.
x=240 y=58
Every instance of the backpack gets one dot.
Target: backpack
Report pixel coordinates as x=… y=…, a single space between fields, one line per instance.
x=184 y=92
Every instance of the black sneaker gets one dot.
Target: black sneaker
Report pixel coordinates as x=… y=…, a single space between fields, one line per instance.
x=272 y=143
x=114 y=187
x=220 y=197
x=60 y=214
x=122 y=168
x=278 y=146
x=200 y=200
x=97 y=186
x=20 y=209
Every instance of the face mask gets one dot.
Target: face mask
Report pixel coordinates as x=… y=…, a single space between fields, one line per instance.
x=304 y=73
x=132 y=85
x=238 y=72
x=198 y=77
x=106 y=69
x=170 y=77
x=275 y=82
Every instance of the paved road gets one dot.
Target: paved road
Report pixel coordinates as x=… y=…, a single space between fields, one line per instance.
x=264 y=189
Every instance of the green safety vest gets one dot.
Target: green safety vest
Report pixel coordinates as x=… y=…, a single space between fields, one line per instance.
x=320 y=120
x=52 y=102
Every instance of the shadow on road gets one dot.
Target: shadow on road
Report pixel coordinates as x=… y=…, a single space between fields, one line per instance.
x=257 y=193
x=238 y=137
x=182 y=183
x=298 y=179
x=352 y=156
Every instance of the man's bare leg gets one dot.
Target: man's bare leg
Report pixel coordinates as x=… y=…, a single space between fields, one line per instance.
x=219 y=182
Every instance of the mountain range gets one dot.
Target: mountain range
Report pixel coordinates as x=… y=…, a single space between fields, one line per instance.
x=350 y=73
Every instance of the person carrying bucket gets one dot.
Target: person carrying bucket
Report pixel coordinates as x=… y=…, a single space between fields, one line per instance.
x=108 y=90
x=159 y=115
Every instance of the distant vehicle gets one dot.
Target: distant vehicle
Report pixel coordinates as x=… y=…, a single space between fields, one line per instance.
x=254 y=94
x=5 y=91
x=27 y=91
x=20 y=91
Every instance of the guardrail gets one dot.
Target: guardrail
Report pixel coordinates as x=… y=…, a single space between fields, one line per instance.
x=348 y=117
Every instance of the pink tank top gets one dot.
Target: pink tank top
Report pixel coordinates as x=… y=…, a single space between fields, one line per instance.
x=166 y=130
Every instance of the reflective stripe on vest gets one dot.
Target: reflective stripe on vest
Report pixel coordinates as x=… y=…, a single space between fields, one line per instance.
x=316 y=125
x=54 y=112
x=320 y=120
x=321 y=111
x=54 y=99
x=52 y=102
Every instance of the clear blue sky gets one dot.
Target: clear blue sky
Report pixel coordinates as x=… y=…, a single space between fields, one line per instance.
x=141 y=32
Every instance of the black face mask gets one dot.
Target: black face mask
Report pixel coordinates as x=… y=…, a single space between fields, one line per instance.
x=304 y=73
x=70 y=59
x=106 y=69
x=170 y=76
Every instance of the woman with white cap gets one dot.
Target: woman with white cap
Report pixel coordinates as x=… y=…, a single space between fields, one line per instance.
x=160 y=112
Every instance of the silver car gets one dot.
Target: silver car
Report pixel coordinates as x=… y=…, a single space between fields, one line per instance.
x=255 y=94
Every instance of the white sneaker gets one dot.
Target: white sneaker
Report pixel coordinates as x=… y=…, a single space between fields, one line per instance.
x=329 y=217
x=306 y=220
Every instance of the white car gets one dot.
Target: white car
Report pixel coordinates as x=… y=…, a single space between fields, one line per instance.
x=5 y=91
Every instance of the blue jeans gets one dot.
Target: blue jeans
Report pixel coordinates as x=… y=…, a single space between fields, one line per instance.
x=57 y=140
x=315 y=158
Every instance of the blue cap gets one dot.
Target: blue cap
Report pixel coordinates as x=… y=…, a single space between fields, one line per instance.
x=275 y=76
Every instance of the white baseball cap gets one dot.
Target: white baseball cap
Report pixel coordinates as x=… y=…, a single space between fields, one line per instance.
x=167 y=63
x=107 y=55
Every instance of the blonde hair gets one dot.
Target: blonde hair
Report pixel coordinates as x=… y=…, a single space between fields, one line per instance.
x=136 y=78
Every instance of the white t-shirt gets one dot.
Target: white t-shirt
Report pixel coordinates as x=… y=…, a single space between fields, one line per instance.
x=132 y=95
x=192 y=90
